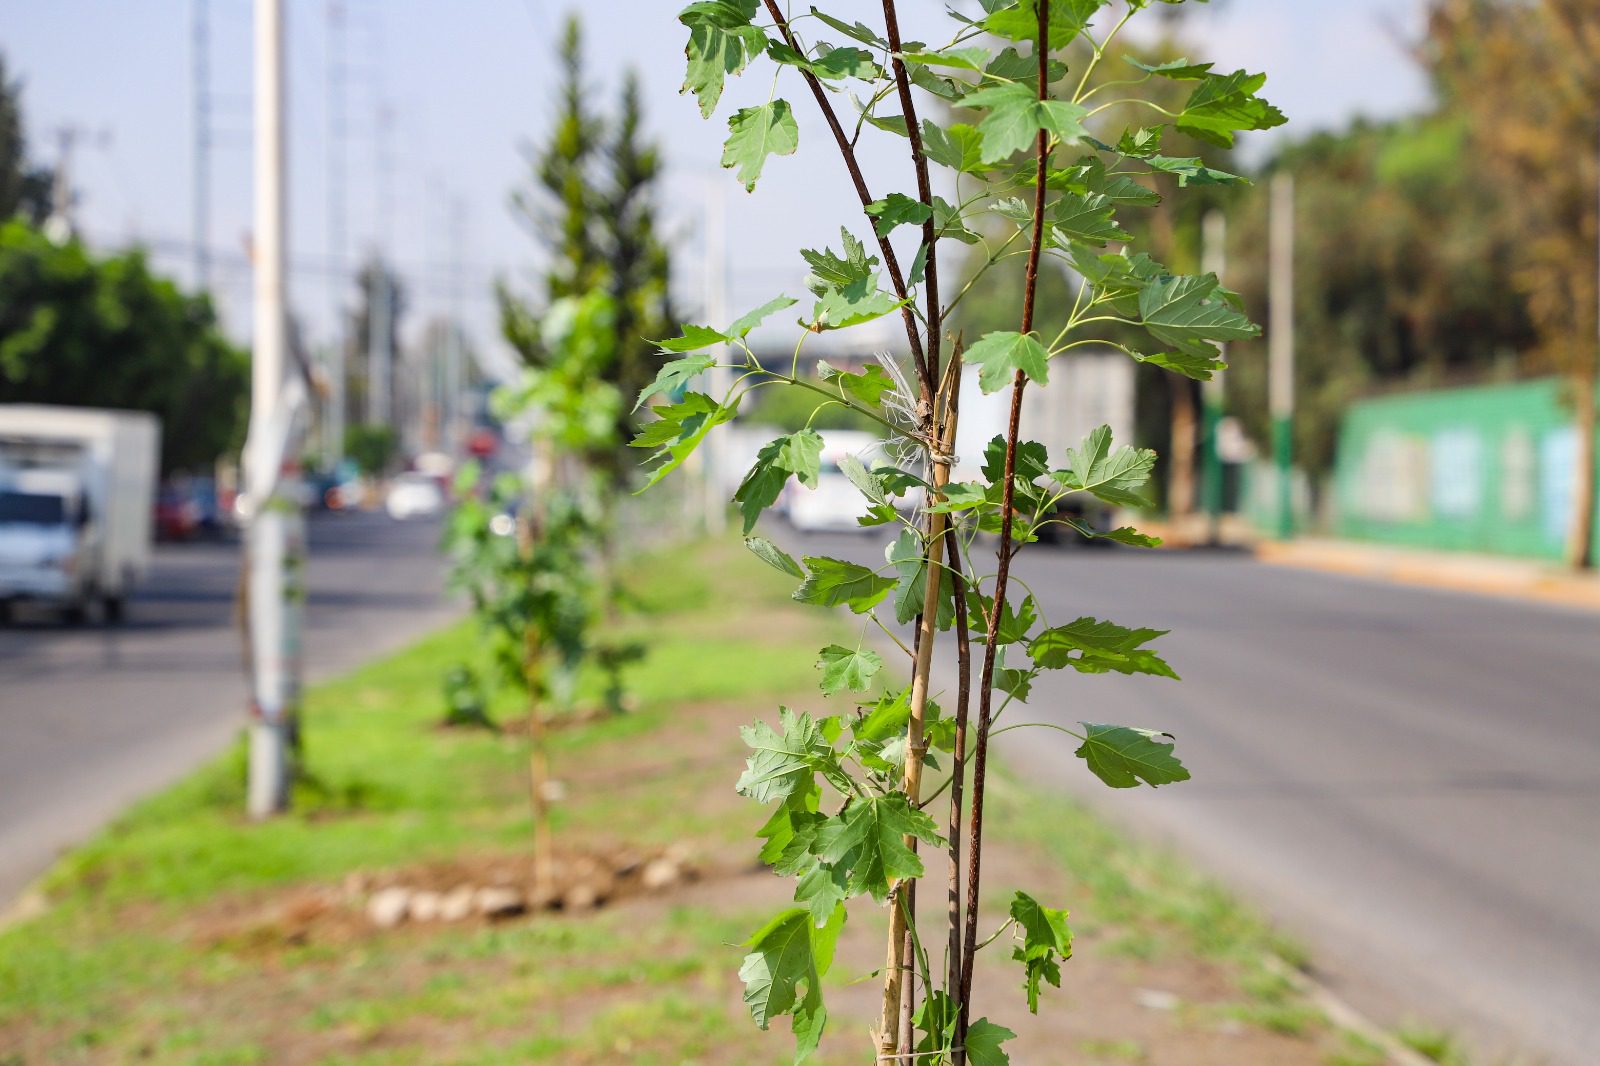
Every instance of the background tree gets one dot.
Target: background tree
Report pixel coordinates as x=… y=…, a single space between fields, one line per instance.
x=107 y=332
x=590 y=205
x=1525 y=74
x=24 y=189
x=638 y=267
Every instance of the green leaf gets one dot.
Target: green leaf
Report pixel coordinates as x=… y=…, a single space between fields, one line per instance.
x=798 y=454
x=750 y=320
x=1016 y=683
x=676 y=375
x=853 y=30
x=897 y=210
x=961 y=496
x=887 y=718
x=1198 y=367
x=905 y=553
x=781 y=764
x=774 y=556
x=1129 y=536
x=829 y=64
x=1020 y=21
x=1176 y=69
x=1223 y=104
x=834 y=582
x=866 y=841
x=721 y=42
x=1140 y=143
x=947 y=223
x=788 y=952
x=1091 y=646
x=822 y=889
x=1032 y=462
x=1046 y=943
x=694 y=338
x=1114 y=477
x=829 y=271
x=851 y=306
x=958 y=146
x=983 y=1043
x=867 y=386
x=1001 y=354
x=1122 y=757
x=1089 y=176
x=755 y=133
x=795 y=816
x=1090 y=218
x=1192 y=171
x=1012 y=65
x=848 y=668
x=833 y=64
x=970 y=58
x=1016 y=115
x=1015 y=621
x=1192 y=311
x=864 y=480
x=678 y=431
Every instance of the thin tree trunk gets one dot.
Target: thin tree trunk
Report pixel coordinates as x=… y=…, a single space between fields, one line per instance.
x=1003 y=572
x=958 y=758
x=916 y=748
x=538 y=756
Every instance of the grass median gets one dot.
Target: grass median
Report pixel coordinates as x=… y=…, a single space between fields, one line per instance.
x=183 y=934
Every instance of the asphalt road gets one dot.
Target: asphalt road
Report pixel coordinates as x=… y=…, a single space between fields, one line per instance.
x=95 y=717
x=1406 y=780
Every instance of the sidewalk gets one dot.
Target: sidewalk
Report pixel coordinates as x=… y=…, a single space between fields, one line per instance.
x=1490 y=575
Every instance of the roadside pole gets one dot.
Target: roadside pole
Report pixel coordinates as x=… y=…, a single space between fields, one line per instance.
x=272 y=547
x=1281 y=346
x=1214 y=261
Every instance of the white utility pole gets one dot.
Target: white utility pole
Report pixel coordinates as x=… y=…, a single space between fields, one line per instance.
x=716 y=314
x=275 y=536
x=1280 y=344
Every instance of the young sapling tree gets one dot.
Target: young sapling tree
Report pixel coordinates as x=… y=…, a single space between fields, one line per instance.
x=1033 y=172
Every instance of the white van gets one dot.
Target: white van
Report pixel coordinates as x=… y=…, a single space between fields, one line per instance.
x=77 y=498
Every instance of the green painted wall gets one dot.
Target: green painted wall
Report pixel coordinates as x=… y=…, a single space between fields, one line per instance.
x=1486 y=469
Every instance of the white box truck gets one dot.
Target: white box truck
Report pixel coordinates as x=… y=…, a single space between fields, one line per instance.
x=77 y=499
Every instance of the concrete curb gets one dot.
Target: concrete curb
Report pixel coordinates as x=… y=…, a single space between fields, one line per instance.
x=1480 y=575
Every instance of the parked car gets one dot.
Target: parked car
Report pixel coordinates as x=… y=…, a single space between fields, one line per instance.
x=177 y=515
x=413 y=495
x=835 y=503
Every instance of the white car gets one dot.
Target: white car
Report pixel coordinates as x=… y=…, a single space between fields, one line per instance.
x=413 y=496
x=835 y=503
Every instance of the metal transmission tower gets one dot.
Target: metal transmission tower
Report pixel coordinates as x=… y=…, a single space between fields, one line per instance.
x=201 y=193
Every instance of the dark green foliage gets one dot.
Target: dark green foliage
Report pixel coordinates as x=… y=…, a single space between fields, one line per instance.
x=24 y=190
x=85 y=331
x=371 y=448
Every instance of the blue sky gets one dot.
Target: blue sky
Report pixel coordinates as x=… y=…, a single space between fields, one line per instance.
x=465 y=82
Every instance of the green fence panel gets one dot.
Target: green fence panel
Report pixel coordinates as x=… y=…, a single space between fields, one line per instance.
x=1484 y=469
